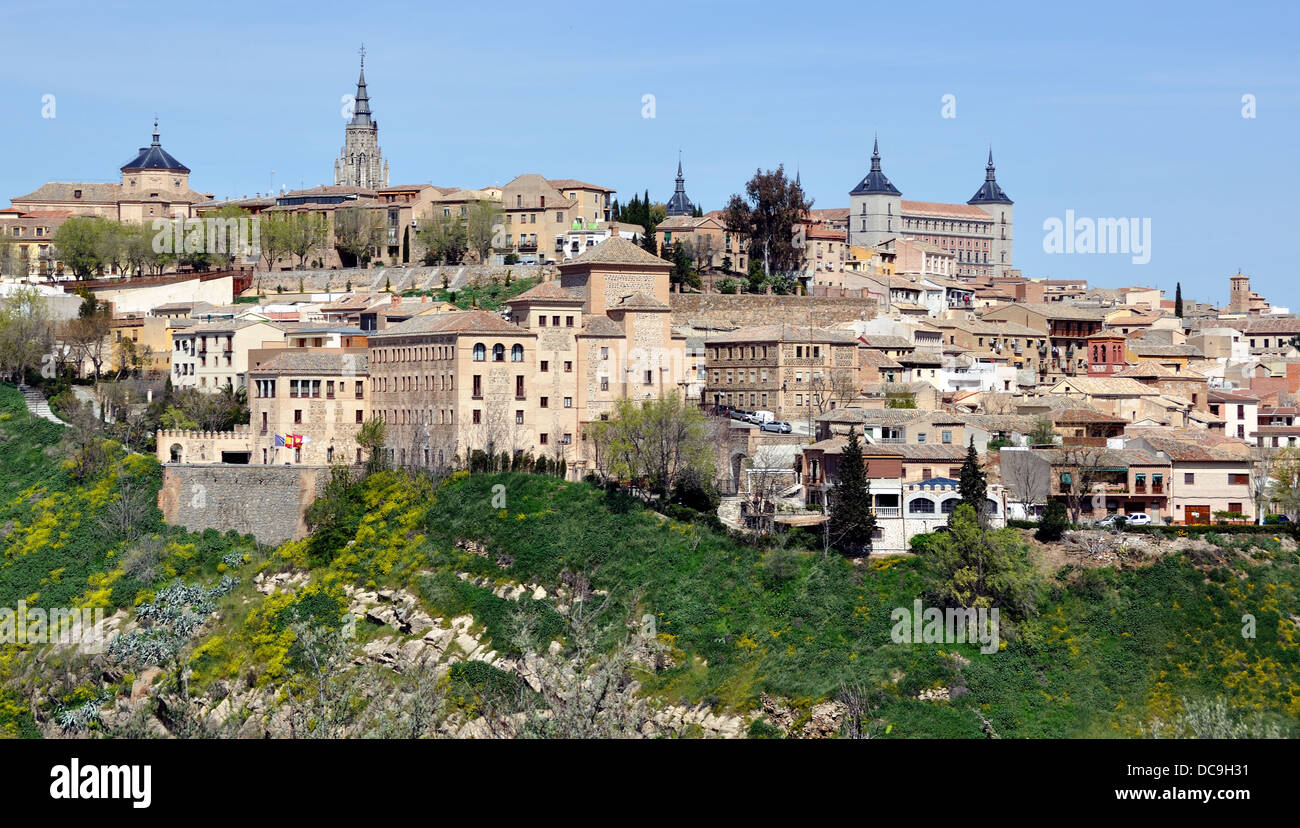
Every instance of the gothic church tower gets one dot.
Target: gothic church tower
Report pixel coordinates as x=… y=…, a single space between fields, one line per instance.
x=361 y=163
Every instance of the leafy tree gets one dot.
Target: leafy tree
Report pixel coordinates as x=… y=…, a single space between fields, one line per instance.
x=1043 y=433
x=26 y=333
x=852 y=518
x=81 y=245
x=371 y=437
x=1054 y=523
x=357 y=232
x=445 y=239
x=661 y=441
x=973 y=485
x=767 y=215
x=970 y=566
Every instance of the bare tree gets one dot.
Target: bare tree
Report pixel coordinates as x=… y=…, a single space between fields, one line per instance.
x=1082 y=464
x=1029 y=477
x=1261 y=474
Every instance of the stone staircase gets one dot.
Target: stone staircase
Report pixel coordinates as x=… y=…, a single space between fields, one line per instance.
x=37 y=404
x=729 y=512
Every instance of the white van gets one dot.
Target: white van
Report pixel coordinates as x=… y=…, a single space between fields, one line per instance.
x=760 y=417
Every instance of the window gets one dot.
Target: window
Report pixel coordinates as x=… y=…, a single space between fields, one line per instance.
x=546 y=366
x=480 y=352
x=519 y=417
x=1238 y=480
x=541 y=438
x=544 y=402
x=649 y=380
x=297 y=415
x=568 y=321
x=1235 y=508
x=920 y=437
x=604 y=383
x=568 y=367
x=568 y=402
x=1139 y=483
x=604 y=353
x=498 y=353
x=921 y=506
x=1189 y=478
x=555 y=321
x=541 y=321
x=517 y=353
x=477 y=416
x=477 y=392
x=360 y=388
x=947 y=436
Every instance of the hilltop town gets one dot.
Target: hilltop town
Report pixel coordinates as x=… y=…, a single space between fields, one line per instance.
x=512 y=320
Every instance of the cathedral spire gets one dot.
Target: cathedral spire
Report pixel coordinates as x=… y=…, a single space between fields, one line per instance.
x=361 y=109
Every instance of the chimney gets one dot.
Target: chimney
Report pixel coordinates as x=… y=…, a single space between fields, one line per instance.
x=397 y=300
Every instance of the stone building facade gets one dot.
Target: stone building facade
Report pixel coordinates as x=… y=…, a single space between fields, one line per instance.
x=978 y=233
x=567 y=350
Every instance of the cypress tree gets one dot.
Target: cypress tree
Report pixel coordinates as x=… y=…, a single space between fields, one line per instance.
x=1178 y=300
x=852 y=520
x=973 y=484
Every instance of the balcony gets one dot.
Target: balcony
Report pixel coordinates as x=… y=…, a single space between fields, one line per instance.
x=530 y=245
x=896 y=441
x=887 y=511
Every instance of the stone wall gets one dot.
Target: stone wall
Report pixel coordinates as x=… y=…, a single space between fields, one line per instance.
x=267 y=502
x=727 y=311
x=398 y=279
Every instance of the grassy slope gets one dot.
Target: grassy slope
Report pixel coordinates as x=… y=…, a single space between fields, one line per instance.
x=1101 y=658
x=56 y=551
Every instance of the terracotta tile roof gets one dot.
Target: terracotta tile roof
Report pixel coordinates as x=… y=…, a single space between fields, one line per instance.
x=1083 y=415
x=463 y=322
x=1192 y=445
x=601 y=326
x=883 y=341
x=548 y=291
x=314 y=361
x=91 y=191
x=877 y=359
x=784 y=333
x=575 y=184
x=1144 y=349
x=934 y=208
x=1273 y=325
x=1108 y=387
x=638 y=302
x=617 y=250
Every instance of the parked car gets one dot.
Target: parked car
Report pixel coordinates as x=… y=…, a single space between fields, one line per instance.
x=1135 y=519
x=776 y=426
x=740 y=414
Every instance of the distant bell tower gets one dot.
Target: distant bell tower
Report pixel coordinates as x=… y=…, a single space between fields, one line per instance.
x=993 y=200
x=361 y=163
x=1239 y=293
x=875 y=207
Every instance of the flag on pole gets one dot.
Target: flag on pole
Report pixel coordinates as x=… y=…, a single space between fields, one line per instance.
x=279 y=441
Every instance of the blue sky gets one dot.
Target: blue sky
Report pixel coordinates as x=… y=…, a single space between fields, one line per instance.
x=1109 y=110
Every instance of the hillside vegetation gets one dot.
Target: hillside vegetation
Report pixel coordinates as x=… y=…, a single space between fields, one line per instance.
x=738 y=628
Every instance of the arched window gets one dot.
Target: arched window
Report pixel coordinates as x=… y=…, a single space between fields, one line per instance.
x=517 y=353
x=176 y=452
x=498 y=353
x=949 y=505
x=480 y=352
x=921 y=506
